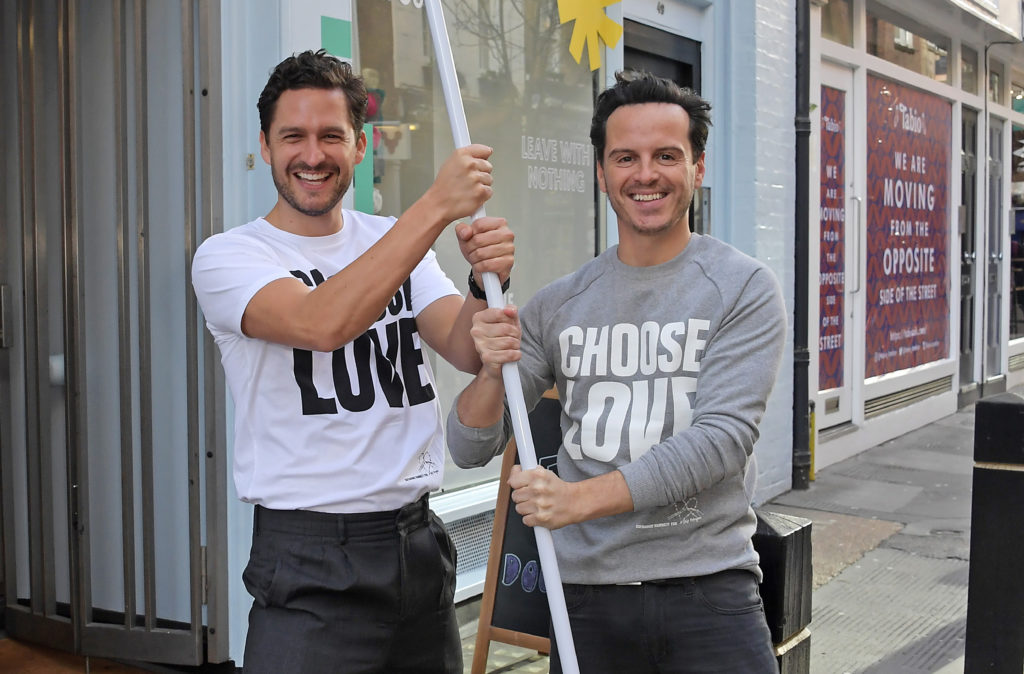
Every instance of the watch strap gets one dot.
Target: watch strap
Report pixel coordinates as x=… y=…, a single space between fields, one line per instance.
x=478 y=292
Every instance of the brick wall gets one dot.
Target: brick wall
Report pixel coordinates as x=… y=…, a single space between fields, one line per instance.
x=755 y=68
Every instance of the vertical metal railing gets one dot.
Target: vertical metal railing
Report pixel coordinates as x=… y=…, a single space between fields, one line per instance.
x=144 y=309
x=214 y=595
x=74 y=339
x=10 y=144
x=33 y=339
x=125 y=344
x=188 y=92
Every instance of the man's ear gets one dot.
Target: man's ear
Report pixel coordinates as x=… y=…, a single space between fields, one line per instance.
x=264 y=149
x=360 y=146
x=600 y=178
x=698 y=176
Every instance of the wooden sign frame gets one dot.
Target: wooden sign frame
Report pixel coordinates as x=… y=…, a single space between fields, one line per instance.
x=486 y=630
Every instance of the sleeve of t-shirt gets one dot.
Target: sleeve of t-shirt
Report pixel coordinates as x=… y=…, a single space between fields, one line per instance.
x=227 y=271
x=429 y=283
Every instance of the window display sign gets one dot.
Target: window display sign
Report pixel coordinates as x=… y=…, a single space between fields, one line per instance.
x=832 y=247
x=907 y=285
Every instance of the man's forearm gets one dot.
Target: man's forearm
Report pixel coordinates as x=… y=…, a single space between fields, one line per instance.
x=544 y=499
x=482 y=403
x=456 y=343
x=604 y=495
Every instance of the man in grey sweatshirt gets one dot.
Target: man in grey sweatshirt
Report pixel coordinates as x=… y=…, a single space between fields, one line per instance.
x=663 y=350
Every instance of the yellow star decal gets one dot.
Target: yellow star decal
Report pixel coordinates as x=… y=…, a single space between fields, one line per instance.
x=591 y=23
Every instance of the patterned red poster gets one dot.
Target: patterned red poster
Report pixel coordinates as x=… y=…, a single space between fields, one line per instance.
x=832 y=266
x=907 y=227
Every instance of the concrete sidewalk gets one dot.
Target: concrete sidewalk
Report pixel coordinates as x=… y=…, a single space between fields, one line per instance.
x=891 y=543
x=891 y=539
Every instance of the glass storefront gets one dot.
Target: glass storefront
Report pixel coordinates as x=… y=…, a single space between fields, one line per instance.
x=1015 y=296
x=524 y=95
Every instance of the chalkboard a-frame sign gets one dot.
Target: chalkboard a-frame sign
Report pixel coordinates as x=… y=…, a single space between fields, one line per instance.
x=514 y=606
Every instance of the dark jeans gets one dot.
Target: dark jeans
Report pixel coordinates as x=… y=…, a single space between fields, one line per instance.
x=355 y=593
x=710 y=623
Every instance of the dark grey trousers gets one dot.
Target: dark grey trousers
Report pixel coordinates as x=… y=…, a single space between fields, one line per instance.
x=351 y=594
x=697 y=625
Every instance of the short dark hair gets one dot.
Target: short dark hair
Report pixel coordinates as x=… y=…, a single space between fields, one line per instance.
x=313 y=70
x=634 y=87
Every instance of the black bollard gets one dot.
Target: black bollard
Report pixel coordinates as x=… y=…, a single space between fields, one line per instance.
x=995 y=595
x=784 y=545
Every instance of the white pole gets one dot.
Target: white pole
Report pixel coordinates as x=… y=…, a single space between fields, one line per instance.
x=509 y=371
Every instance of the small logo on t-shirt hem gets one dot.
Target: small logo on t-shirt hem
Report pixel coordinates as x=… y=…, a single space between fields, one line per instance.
x=426 y=467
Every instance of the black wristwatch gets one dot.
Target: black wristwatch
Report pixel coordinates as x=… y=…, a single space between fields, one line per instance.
x=478 y=292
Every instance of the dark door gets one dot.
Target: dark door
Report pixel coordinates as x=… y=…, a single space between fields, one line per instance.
x=968 y=253
x=676 y=58
x=664 y=54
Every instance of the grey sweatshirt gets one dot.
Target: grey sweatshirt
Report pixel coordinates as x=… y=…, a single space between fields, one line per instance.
x=663 y=373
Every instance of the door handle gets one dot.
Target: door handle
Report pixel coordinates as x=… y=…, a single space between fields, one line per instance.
x=855 y=240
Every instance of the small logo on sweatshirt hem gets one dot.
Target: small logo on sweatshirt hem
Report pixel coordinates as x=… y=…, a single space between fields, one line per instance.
x=683 y=512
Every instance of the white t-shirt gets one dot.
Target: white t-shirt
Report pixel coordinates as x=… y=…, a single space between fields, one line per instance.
x=356 y=430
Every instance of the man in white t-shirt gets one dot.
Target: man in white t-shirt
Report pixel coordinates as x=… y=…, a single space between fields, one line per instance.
x=320 y=315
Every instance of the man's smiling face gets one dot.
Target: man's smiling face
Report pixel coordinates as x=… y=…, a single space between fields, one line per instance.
x=312 y=149
x=648 y=170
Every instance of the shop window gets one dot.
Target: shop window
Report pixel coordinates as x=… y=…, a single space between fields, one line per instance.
x=996 y=88
x=837 y=21
x=1017 y=97
x=968 y=69
x=889 y=39
x=903 y=40
x=1016 y=294
x=524 y=95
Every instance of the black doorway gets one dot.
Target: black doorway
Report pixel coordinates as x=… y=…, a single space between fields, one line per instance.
x=671 y=56
x=676 y=58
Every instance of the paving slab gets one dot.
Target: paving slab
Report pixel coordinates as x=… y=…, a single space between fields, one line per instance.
x=852 y=496
x=891 y=612
x=505 y=658
x=838 y=540
x=23 y=657
x=924 y=460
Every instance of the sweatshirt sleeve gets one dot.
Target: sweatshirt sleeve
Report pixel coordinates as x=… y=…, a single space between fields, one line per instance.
x=737 y=373
x=474 y=447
